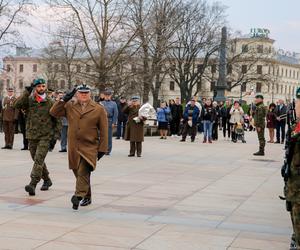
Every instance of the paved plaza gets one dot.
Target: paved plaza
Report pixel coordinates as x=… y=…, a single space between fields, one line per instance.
x=178 y=196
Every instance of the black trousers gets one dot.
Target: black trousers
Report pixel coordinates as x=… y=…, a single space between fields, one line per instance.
x=191 y=130
x=280 y=129
x=174 y=127
x=215 y=131
x=226 y=127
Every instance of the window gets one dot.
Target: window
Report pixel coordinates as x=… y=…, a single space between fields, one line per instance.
x=229 y=69
x=286 y=72
x=21 y=85
x=277 y=88
x=49 y=67
x=55 y=83
x=281 y=71
x=21 y=69
x=62 y=84
x=260 y=49
x=7 y=82
x=297 y=75
x=133 y=68
x=213 y=68
x=229 y=85
x=8 y=68
x=63 y=67
x=34 y=67
x=173 y=68
x=199 y=68
x=294 y=74
x=290 y=73
x=88 y=68
x=258 y=87
x=244 y=87
x=56 y=67
x=259 y=69
x=290 y=90
x=244 y=69
x=78 y=68
x=281 y=89
x=245 y=48
x=172 y=85
x=212 y=86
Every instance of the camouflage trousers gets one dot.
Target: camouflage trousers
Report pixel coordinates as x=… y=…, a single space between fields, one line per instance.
x=295 y=215
x=38 y=151
x=261 y=139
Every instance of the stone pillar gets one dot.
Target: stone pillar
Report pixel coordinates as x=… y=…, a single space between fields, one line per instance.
x=222 y=83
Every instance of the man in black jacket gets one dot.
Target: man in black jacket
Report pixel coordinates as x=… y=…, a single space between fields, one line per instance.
x=122 y=118
x=177 y=113
x=280 y=112
x=225 y=116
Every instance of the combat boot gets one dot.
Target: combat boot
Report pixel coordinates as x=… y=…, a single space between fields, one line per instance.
x=259 y=153
x=75 y=201
x=30 y=189
x=46 y=185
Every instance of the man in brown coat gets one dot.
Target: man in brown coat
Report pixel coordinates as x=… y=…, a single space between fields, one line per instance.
x=87 y=138
x=134 y=130
x=9 y=117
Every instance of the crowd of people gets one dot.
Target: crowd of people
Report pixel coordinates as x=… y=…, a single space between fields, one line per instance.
x=85 y=127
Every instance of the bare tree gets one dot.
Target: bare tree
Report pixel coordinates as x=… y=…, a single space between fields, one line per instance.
x=196 y=44
x=12 y=14
x=103 y=32
x=155 y=23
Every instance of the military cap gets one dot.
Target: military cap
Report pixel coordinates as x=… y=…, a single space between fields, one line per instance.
x=108 y=91
x=38 y=81
x=135 y=98
x=49 y=90
x=298 y=93
x=259 y=96
x=83 y=88
x=10 y=89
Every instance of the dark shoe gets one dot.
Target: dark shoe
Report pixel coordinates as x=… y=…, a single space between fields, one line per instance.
x=9 y=147
x=209 y=141
x=118 y=138
x=107 y=154
x=85 y=202
x=277 y=142
x=46 y=185
x=5 y=147
x=25 y=148
x=62 y=151
x=282 y=142
x=161 y=137
x=30 y=189
x=139 y=155
x=75 y=201
x=259 y=153
x=130 y=155
x=192 y=140
x=182 y=140
x=204 y=141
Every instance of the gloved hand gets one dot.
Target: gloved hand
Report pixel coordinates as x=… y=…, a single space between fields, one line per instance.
x=67 y=97
x=100 y=155
x=29 y=88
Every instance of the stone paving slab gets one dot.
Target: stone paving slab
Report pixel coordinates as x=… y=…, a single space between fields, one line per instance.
x=189 y=196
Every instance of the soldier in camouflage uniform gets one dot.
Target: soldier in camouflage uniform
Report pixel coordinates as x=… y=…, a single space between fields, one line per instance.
x=40 y=129
x=292 y=188
x=260 y=124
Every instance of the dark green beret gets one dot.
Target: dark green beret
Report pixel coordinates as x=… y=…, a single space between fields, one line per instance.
x=38 y=81
x=298 y=93
x=259 y=96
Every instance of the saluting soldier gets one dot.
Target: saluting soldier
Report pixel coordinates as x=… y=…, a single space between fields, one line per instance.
x=292 y=188
x=9 y=117
x=40 y=128
x=87 y=138
x=260 y=124
x=112 y=115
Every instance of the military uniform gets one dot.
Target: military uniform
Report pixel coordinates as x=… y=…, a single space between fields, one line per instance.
x=87 y=137
x=112 y=116
x=40 y=129
x=260 y=122
x=9 y=117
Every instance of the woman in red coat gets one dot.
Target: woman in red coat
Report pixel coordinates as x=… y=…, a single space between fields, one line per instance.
x=271 y=122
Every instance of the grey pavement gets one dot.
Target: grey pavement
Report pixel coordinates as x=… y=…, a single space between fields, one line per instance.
x=178 y=196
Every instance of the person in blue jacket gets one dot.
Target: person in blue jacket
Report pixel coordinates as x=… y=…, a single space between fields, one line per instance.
x=190 y=119
x=163 y=114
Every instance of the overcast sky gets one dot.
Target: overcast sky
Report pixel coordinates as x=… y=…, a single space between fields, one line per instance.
x=281 y=17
